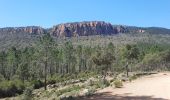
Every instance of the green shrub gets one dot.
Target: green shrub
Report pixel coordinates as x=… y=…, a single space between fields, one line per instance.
x=37 y=84
x=105 y=82
x=112 y=80
x=69 y=89
x=90 y=92
x=11 y=88
x=27 y=94
x=67 y=98
x=102 y=83
x=90 y=83
x=118 y=83
x=15 y=77
x=1 y=78
x=20 y=86
x=51 y=81
x=133 y=78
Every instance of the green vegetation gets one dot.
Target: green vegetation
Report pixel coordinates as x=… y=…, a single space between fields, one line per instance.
x=11 y=88
x=118 y=83
x=37 y=84
x=90 y=92
x=52 y=62
x=69 y=89
x=27 y=95
x=133 y=77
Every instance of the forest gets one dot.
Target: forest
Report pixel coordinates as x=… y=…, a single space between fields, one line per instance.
x=49 y=62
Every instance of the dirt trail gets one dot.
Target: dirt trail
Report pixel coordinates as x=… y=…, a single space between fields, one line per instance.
x=152 y=87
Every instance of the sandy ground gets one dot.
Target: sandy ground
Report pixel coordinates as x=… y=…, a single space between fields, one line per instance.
x=152 y=87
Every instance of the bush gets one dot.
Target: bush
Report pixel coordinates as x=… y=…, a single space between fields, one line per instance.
x=112 y=80
x=27 y=94
x=69 y=89
x=90 y=83
x=132 y=78
x=37 y=84
x=1 y=78
x=20 y=86
x=66 y=98
x=90 y=92
x=118 y=83
x=102 y=83
x=15 y=77
x=51 y=81
x=11 y=88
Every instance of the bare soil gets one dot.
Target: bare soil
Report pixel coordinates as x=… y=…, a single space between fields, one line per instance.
x=152 y=87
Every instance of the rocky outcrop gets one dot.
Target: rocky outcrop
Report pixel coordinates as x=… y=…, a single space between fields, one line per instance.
x=29 y=29
x=141 y=31
x=84 y=29
x=70 y=29
x=120 y=29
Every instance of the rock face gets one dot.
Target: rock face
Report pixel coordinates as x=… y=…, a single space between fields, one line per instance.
x=84 y=29
x=121 y=29
x=69 y=29
x=141 y=31
x=29 y=29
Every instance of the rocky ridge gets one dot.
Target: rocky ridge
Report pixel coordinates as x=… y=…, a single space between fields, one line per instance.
x=28 y=29
x=86 y=28
x=69 y=29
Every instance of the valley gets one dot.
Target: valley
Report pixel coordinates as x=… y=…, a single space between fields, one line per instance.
x=83 y=59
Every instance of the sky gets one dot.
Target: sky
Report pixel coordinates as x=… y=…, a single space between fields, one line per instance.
x=46 y=13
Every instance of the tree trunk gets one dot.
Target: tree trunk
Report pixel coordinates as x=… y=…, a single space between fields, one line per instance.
x=127 y=70
x=45 y=77
x=45 y=71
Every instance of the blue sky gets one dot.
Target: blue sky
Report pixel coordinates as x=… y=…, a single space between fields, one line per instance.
x=47 y=13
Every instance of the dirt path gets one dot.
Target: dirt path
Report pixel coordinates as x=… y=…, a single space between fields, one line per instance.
x=152 y=87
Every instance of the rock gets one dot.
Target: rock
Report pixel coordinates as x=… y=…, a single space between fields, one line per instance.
x=141 y=31
x=69 y=29
x=84 y=29
x=38 y=95
x=49 y=86
x=29 y=29
x=84 y=91
x=124 y=79
x=164 y=74
x=53 y=85
x=120 y=29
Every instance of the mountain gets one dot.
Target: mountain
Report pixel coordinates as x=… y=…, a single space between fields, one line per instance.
x=26 y=36
x=69 y=29
x=28 y=29
x=150 y=30
x=83 y=29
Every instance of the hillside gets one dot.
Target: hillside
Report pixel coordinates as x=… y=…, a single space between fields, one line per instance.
x=77 y=59
x=27 y=36
x=83 y=29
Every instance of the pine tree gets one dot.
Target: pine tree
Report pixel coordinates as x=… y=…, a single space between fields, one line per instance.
x=45 y=52
x=2 y=62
